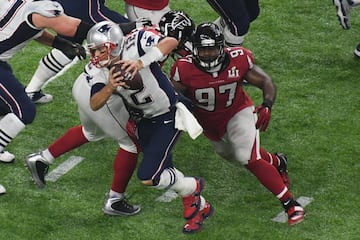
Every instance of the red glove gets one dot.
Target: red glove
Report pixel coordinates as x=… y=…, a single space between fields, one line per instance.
x=264 y=113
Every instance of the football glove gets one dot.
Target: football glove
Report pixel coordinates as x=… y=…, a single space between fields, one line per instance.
x=264 y=113
x=70 y=49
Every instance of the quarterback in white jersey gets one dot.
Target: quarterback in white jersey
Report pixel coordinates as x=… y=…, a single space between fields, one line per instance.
x=155 y=105
x=108 y=121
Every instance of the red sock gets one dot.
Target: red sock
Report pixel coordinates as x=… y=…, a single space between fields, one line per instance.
x=72 y=139
x=124 y=166
x=269 y=157
x=269 y=177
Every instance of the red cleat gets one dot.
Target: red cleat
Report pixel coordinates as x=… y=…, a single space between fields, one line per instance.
x=192 y=202
x=296 y=214
x=195 y=224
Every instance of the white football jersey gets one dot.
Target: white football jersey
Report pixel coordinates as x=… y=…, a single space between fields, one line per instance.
x=15 y=28
x=158 y=95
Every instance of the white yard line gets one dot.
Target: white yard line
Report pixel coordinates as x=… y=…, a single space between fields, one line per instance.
x=282 y=217
x=167 y=196
x=63 y=168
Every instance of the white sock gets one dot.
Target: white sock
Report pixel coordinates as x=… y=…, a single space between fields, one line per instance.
x=49 y=66
x=114 y=194
x=10 y=126
x=48 y=156
x=184 y=186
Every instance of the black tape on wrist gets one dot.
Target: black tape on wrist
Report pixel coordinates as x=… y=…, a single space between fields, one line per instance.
x=267 y=103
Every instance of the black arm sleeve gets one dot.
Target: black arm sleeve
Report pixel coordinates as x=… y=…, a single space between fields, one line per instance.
x=81 y=32
x=127 y=27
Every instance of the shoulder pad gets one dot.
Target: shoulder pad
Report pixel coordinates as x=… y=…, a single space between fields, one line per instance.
x=93 y=71
x=46 y=8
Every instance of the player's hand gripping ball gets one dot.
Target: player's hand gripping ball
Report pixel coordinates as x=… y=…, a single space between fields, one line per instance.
x=132 y=83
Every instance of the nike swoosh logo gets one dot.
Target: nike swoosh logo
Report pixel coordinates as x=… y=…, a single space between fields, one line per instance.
x=167 y=121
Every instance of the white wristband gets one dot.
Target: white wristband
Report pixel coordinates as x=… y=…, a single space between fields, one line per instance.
x=154 y=55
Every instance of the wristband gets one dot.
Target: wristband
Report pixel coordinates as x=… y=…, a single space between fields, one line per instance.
x=154 y=55
x=267 y=103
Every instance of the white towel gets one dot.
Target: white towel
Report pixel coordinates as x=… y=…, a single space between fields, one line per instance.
x=185 y=120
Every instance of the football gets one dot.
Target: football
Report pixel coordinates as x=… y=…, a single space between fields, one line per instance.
x=132 y=83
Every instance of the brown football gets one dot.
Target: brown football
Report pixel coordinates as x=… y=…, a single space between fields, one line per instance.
x=132 y=83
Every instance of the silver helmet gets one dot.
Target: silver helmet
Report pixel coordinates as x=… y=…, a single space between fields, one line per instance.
x=107 y=37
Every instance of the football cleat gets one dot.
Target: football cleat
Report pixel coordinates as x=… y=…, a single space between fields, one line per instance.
x=294 y=210
x=195 y=224
x=343 y=12
x=6 y=157
x=296 y=214
x=38 y=167
x=192 y=202
x=115 y=206
x=357 y=51
x=40 y=97
x=2 y=190
x=282 y=169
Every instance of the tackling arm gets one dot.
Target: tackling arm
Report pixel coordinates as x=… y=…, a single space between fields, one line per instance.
x=257 y=77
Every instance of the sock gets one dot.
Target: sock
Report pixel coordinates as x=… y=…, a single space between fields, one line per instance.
x=48 y=67
x=270 y=157
x=124 y=166
x=10 y=126
x=114 y=194
x=269 y=178
x=72 y=139
x=185 y=186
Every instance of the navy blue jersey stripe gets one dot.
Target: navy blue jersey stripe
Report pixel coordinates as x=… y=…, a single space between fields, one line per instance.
x=10 y=13
x=23 y=33
x=164 y=83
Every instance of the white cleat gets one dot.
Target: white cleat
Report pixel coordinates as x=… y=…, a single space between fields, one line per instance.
x=2 y=190
x=6 y=157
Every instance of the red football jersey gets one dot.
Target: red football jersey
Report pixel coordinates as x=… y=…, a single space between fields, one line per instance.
x=149 y=4
x=217 y=96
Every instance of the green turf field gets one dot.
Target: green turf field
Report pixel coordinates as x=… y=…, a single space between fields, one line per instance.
x=315 y=121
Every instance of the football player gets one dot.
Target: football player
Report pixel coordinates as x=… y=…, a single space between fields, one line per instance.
x=109 y=121
x=212 y=78
x=153 y=106
x=23 y=21
x=235 y=18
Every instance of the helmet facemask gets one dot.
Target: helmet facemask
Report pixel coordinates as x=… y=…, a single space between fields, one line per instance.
x=208 y=46
x=101 y=55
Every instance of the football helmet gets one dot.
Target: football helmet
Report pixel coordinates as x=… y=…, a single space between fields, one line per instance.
x=208 y=46
x=104 y=42
x=177 y=24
